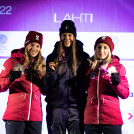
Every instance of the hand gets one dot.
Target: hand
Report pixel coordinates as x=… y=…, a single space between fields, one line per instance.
x=115 y=79
x=52 y=65
x=14 y=75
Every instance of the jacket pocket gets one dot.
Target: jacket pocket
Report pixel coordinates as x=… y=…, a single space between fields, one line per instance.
x=16 y=96
x=110 y=101
x=16 y=104
x=92 y=101
x=110 y=104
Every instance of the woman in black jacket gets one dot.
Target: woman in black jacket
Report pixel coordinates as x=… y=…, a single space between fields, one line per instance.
x=65 y=79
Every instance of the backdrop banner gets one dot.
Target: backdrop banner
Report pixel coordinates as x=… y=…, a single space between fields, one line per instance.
x=46 y=15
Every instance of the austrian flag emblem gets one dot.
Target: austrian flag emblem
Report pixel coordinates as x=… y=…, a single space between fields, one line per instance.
x=37 y=37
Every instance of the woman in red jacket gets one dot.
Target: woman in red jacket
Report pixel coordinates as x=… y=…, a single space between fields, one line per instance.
x=22 y=74
x=106 y=82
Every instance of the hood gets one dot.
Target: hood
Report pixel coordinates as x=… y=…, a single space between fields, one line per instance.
x=18 y=54
x=115 y=58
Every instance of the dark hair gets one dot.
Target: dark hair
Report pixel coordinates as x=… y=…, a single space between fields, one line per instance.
x=74 y=62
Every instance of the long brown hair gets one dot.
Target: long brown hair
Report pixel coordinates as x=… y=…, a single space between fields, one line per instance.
x=74 y=61
x=94 y=61
x=39 y=63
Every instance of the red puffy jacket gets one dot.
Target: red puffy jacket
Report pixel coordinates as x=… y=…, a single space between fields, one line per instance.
x=24 y=100
x=103 y=105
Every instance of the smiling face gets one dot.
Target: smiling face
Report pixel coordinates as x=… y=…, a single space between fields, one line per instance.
x=33 y=49
x=67 y=39
x=102 y=51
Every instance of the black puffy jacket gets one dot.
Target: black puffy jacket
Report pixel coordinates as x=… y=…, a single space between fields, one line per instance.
x=65 y=89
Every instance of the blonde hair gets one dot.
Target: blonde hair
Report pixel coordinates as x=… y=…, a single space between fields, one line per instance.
x=38 y=65
x=95 y=61
x=74 y=61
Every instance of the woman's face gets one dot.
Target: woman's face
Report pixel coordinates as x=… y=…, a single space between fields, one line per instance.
x=102 y=51
x=67 y=39
x=33 y=49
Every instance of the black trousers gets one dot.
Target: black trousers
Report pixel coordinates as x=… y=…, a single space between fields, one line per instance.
x=103 y=129
x=49 y=112
x=23 y=127
x=65 y=119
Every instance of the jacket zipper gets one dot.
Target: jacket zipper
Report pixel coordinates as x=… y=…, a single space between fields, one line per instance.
x=30 y=99
x=98 y=97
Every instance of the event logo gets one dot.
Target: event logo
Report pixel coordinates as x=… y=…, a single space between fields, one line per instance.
x=83 y=17
x=3 y=39
x=131 y=94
